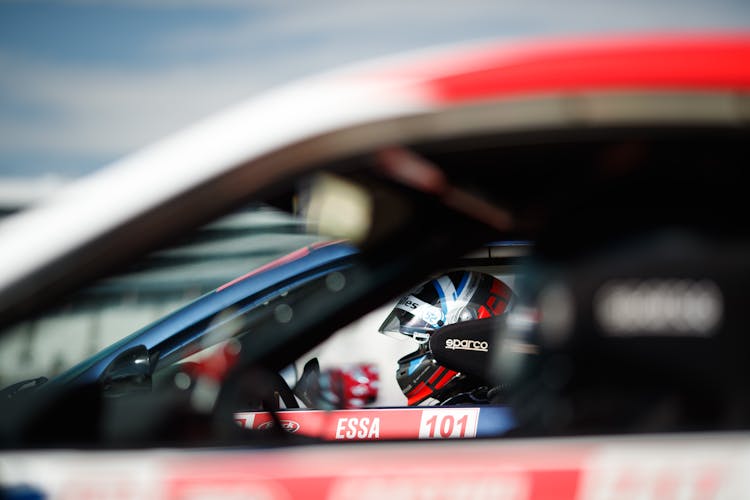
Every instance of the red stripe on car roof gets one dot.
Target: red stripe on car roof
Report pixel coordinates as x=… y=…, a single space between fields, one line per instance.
x=697 y=62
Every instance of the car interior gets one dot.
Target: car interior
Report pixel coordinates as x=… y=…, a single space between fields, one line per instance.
x=606 y=215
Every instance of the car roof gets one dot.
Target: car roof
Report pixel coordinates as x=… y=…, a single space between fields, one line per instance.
x=202 y=171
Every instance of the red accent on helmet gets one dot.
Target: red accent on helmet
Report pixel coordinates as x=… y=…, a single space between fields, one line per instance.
x=491 y=301
x=499 y=298
x=446 y=378
x=418 y=394
x=501 y=289
x=438 y=373
x=483 y=312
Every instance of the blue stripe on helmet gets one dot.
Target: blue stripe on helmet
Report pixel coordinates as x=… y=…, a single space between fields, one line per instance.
x=464 y=280
x=414 y=364
x=441 y=294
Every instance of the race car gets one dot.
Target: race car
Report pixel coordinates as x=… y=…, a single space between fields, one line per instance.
x=193 y=345
x=622 y=360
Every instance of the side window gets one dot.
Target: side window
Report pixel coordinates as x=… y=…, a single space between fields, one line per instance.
x=99 y=316
x=214 y=343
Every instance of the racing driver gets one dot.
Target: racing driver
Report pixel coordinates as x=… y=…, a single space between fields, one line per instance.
x=451 y=298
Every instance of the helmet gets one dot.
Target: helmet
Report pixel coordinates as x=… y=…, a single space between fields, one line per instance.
x=451 y=298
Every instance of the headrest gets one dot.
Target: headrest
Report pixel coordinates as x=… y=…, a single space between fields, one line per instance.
x=467 y=347
x=656 y=324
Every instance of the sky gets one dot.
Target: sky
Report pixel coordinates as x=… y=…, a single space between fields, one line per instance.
x=85 y=82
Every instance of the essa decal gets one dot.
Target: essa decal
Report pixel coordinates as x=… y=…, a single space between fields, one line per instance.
x=358 y=428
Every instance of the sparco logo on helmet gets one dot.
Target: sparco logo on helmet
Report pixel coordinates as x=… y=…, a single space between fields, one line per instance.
x=466 y=345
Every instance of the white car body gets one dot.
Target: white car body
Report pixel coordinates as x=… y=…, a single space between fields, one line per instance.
x=204 y=170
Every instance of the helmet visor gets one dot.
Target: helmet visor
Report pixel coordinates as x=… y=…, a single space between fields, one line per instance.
x=412 y=318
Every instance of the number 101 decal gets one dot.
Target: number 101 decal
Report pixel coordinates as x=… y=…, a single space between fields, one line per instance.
x=449 y=423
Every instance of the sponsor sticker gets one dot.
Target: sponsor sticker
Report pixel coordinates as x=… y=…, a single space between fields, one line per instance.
x=449 y=423
x=427 y=312
x=467 y=345
x=371 y=424
x=287 y=425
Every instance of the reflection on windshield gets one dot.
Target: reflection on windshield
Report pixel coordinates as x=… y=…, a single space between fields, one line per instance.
x=97 y=319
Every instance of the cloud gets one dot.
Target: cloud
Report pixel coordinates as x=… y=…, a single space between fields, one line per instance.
x=390 y=23
x=108 y=110
x=153 y=4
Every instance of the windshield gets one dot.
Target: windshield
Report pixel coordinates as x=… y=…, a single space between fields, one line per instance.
x=250 y=274
x=96 y=322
